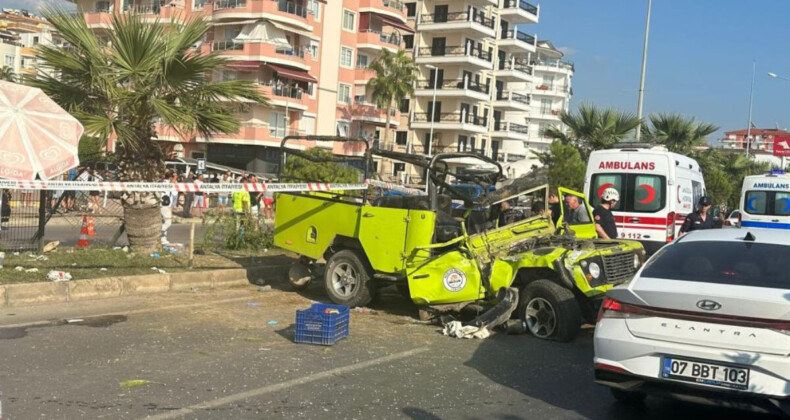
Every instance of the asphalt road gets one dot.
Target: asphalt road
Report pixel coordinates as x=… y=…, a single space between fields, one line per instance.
x=214 y=355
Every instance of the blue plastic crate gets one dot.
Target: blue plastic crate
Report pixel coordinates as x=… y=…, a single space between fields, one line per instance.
x=313 y=326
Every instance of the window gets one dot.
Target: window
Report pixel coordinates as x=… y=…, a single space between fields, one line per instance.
x=227 y=75
x=404 y=105
x=349 y=20
x=494 y=149
x=411 y=9
x=359 y=99
x=767 y=203
x=344 y=93
x=408 y=41
x=401 y=137
x=548 y=80
x=103 y=6
x=313 y=47
x=307 y=124
x=8 y=61
x=398 y=167
x=362 y=61
x=462 y=143
x=739 y=263
x=545 y=106
x=638 y=193
x=342 y=128
x=472 y=142
x=312 y=8
x=346 y=57
x=276 y=124
x=311 y=89
x=35 y=40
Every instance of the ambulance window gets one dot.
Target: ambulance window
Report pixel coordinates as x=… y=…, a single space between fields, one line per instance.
x=648 y=193
x=697 y=191
x=600 y=182
x=756 y=201
x=782 y=204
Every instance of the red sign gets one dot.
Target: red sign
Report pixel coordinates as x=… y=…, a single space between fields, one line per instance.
x=781 y=145
x=630 y=166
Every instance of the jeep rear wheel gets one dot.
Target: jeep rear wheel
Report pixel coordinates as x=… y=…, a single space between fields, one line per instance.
x=550 y=311
x=347 y=279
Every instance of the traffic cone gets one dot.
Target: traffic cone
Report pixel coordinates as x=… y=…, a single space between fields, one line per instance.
x=91 y=227
x=83 y=242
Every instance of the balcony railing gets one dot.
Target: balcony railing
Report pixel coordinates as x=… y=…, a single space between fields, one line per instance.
x=287 y=92
x=290 y=52
x=386 y=37
x=393 y=4
x=506 y=95
x=521 y=36
x=553 y=63
x=511 y=127
x=456 y=51
x=450 y=117
x=480 y=18
x=516 y=64
x=465 y=83
x=292 y=8
x=227 y=44
x=561 y=89
x=521 y=4
x=143 y=9
x=230 y=4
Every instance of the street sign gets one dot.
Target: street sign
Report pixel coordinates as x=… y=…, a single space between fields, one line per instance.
x=201 y=166
x=782 y=146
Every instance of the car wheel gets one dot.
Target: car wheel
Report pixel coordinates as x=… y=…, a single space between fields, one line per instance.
x=300 y=275
x=627 y=397
x=550 y=311
x=347 y=279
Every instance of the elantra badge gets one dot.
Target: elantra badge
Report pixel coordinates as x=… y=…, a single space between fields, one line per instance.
x=708 y=305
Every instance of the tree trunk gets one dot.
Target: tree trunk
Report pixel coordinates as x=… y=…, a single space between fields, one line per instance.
x=142 y=215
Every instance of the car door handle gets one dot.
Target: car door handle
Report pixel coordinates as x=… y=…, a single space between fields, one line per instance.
x=775 y=220
x=368 y=215
x=634 y=220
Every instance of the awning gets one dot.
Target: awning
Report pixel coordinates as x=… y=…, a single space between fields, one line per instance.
x=244 y=65
x=295 y=30
x=260 y=32
x=394 y=23
x=294 y=74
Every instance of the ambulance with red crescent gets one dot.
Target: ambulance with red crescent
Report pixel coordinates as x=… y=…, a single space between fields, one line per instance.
x=657 y=190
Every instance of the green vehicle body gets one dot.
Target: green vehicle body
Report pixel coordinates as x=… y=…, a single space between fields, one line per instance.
x=399 y=246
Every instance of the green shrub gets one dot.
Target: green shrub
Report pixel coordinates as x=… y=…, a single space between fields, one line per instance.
x=236 y=232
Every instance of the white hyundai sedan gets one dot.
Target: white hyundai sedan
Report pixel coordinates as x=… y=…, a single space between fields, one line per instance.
x=706 y=319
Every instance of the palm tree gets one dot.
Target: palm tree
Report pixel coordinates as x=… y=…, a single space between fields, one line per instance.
x=7 y=74
x=146 y=74
x=592 y=128
x=394 y=81
x=678 y=133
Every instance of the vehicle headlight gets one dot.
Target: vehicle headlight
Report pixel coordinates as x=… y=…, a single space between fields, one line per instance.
x=637 y=261
x=594 y=269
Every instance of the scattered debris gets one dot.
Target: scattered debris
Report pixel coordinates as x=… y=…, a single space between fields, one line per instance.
x=458 y=330
x=253 y=304
x=55 y=275
x=515 y=327
x=255 y=339
x=264 y=288
x=363 y=310
x=134 y=383
x=19 y=268
x=272 y=322
x=102 y=269
x=16 y=253
x=199 y=252
x=74 y=320
x=155 y=255
x=125 y=249
x=31 y=270
x=73 y=264
x=116 y=248
x=51 y=246
x=193 y=289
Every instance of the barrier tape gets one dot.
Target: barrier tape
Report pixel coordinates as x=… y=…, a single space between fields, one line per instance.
x=171 y=187
x=395 y=187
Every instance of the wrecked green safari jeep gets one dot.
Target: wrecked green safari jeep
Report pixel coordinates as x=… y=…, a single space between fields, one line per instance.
x=551 y=276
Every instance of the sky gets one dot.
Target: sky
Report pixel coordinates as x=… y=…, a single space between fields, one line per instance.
x=699 y=60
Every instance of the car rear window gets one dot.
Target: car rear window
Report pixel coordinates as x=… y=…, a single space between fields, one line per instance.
x=639 y=193
x=767 y=203
x=733 y=263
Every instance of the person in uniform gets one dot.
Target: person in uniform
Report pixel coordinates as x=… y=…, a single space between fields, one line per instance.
x=604 y=220
x=700 y=219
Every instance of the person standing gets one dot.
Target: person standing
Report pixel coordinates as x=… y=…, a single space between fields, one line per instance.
x=699 y=219
x=199 y=195
x=268 y=203
x=604 y=219
x=70 y=195
x=169 y=201
x=188 y=195
x=554 y=206
x=222 y=197
x=255 y=196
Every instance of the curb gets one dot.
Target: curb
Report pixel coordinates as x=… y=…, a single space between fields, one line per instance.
x=42 y=293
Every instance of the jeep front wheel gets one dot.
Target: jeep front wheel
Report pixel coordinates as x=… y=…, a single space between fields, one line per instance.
x=550 y=311
x=347 y=279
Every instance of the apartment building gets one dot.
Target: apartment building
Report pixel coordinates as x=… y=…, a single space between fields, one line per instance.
x=20 y=33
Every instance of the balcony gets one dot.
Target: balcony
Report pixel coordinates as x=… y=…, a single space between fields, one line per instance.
x=154 y=11
x=515 y=42
x=235 y=50
x=519 y=11
x=473 y=24
x=278 y=10
x=376 y=40
x=514 y=69
x=285 y=96
x=511 y=101
x=391 y=8
x=368 y=112
x=553 y=65
x=550 y=90
x=97 y=18
x=362 y=74
x=545 y=114
x=453 y=88
x=457 y=121
x=454 y=55
x=510 y=130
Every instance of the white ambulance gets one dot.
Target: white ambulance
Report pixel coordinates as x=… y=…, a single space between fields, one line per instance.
x=657 y=190
x=765 y=201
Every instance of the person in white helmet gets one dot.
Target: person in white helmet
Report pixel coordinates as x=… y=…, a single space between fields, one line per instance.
x=604 y=220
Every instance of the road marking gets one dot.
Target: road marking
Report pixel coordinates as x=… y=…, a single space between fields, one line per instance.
x=284 y=385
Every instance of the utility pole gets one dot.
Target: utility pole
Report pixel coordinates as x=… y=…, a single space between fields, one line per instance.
x=751 y=101
x=642 y=78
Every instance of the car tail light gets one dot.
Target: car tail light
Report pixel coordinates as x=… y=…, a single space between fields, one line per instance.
x=611 y=308
x=740 y=218
x=671 y=227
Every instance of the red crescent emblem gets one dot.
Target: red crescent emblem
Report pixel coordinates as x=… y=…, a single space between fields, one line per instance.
x=604 y=187
x=651 y=194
